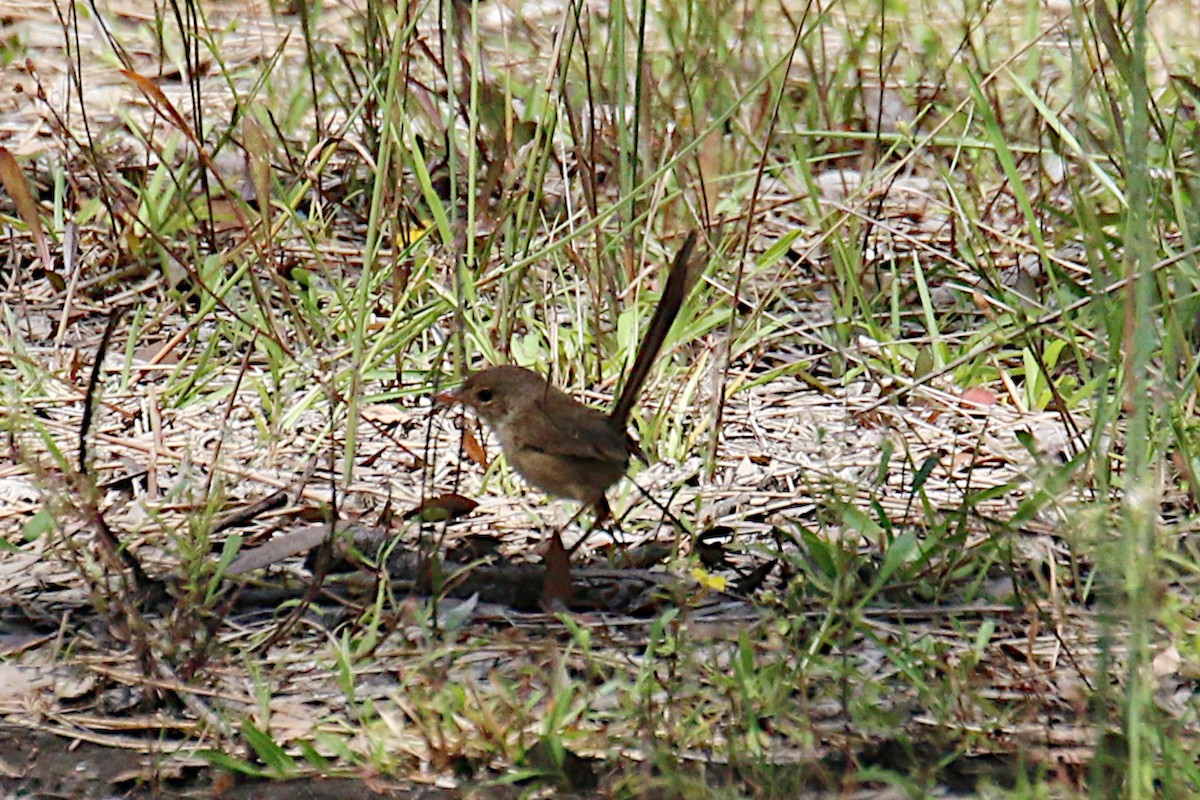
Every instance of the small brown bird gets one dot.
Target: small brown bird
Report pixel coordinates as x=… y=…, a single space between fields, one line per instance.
x=559 y=445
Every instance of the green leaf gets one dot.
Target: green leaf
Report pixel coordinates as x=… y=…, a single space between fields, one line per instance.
x=857 y=520
x=270 y=753
x=923 y=473
x=898 y=553
x=312 y=756
x=38 y=525
x=231 y=764
x=819 y=552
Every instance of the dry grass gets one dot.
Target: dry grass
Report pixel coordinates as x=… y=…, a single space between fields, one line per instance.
x=910 y=330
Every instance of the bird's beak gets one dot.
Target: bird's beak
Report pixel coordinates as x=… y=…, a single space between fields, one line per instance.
x=448 y=398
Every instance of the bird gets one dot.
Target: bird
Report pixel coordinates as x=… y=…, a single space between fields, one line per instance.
x=556 y=443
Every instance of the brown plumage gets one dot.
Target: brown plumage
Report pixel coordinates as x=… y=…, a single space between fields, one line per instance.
x=559 y=445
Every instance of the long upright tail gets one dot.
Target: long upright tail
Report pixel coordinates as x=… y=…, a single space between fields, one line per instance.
x=672 y=299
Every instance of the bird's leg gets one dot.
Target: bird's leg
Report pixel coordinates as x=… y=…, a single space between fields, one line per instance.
x=542 y=548
x=603 y=514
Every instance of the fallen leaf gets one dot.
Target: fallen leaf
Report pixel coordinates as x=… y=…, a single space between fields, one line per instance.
x=17 y=185
x=708 y=580
x=474 y=449
x=156 y=353
x=258 y=149
x=443 y=507
x=556 y=585
x=155 y=96
x=284 y=545
x=383 y=413
x=962 y=460
x=979 y=397
x=1166 y=663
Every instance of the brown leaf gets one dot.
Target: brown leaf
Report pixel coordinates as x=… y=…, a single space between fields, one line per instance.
x=284 y=545
x=474 y=449
x=222 y=782
x=443 y=507
x=258 y=148
x=225 y=214
x=155 y=95
x=383 y=413
x=17 y=186
x=870 y=420
x=979 y=397
x=556 y=585
x=712 y=152
x=157 y=353
x=983 y=304
x=962 y=460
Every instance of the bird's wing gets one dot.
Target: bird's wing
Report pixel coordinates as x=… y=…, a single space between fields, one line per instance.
x=584 y=433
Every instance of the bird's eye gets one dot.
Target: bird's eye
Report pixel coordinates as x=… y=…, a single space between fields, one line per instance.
x=484 y=395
